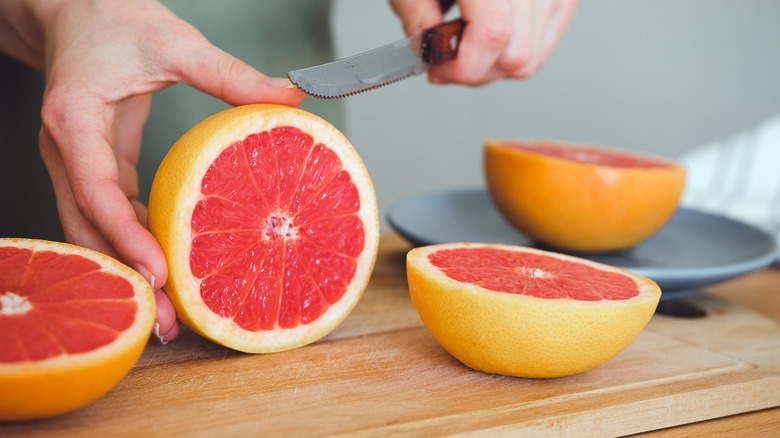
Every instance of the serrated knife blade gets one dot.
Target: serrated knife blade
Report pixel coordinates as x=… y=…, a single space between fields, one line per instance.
x=387 y=64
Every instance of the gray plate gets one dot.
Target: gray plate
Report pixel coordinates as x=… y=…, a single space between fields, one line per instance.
x=694 y=249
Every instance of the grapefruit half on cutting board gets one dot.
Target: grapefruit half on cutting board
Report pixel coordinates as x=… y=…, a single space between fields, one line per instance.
x=73 y=322
x=524 y=312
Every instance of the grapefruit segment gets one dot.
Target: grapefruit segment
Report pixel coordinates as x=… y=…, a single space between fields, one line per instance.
x=72 y=324
x=272 y=236
x=525 y=312
x=580 y=197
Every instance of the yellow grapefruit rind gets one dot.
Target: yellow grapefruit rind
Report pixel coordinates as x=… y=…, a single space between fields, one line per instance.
x=176 y=191
x=55 y=386
x=523 y=336
x=580 y=206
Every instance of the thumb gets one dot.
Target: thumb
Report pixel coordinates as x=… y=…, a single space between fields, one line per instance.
x=217 y=73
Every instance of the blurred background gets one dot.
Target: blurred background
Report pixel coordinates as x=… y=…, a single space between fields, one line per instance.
x=658 y=76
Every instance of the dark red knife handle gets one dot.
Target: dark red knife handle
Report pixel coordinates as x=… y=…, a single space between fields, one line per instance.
x=440 y=43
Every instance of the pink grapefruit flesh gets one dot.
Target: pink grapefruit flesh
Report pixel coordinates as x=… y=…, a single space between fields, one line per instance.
x=533 y=275
x=275 y=241
x=60 y=304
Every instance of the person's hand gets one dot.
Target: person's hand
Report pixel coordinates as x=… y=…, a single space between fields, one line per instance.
x=102 y=61
x=502 y=38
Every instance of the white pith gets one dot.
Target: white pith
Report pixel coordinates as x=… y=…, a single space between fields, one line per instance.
x=535 y=272
x=279 y=224
x=13 y=304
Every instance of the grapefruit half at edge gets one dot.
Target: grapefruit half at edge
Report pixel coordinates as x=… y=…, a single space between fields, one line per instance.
x=269 y=222
x=580 y=197
x=72 y=324
x=525 y=312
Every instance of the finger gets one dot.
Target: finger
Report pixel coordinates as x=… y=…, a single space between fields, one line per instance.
x=167 y=327
x=549 y=23
x=521 y=52
x=205 y=67
x=172 y=334
x=95 y=202
x=76 y=228
x=560 y=19
x=102 y=202
x=141 y=213
x=487 y=33
x=417 y=15
x=130 y=116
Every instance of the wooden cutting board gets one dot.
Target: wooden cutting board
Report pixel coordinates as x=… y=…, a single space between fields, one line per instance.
x=382 y=374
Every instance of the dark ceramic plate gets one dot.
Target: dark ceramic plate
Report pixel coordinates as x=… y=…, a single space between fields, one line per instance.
x=694 y=249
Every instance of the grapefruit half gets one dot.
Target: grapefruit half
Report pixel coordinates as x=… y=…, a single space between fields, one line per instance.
x=580 y=197
x=526 y=312
x=72 y=324
x=268 y=220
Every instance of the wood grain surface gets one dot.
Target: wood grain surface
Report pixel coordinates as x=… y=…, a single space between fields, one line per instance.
x=382 y=374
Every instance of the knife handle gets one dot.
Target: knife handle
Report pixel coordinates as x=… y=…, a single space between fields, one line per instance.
x=440 y=43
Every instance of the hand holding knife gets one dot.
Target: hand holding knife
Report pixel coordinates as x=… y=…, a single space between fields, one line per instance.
x=408 y=57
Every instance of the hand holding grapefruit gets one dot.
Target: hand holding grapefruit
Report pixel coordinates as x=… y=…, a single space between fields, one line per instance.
x=525 y=312
x=579 y=197
x=268 y=220
x=72 y=324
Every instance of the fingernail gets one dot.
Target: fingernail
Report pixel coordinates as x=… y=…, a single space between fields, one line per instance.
x=141 y=269
x=157 y=334
x=280 y=83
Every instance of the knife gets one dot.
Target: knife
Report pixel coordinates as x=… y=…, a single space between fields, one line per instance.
x=387 y=64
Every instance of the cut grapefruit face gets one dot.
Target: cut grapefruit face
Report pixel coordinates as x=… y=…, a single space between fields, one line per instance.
x=72 y=324
x=268 y=219
x=525 y=312
x=580 y=197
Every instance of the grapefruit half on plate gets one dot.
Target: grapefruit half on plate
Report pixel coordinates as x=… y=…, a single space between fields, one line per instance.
x=72 y=324
x=525 y=312
x=269 y=222
x=580 y=197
